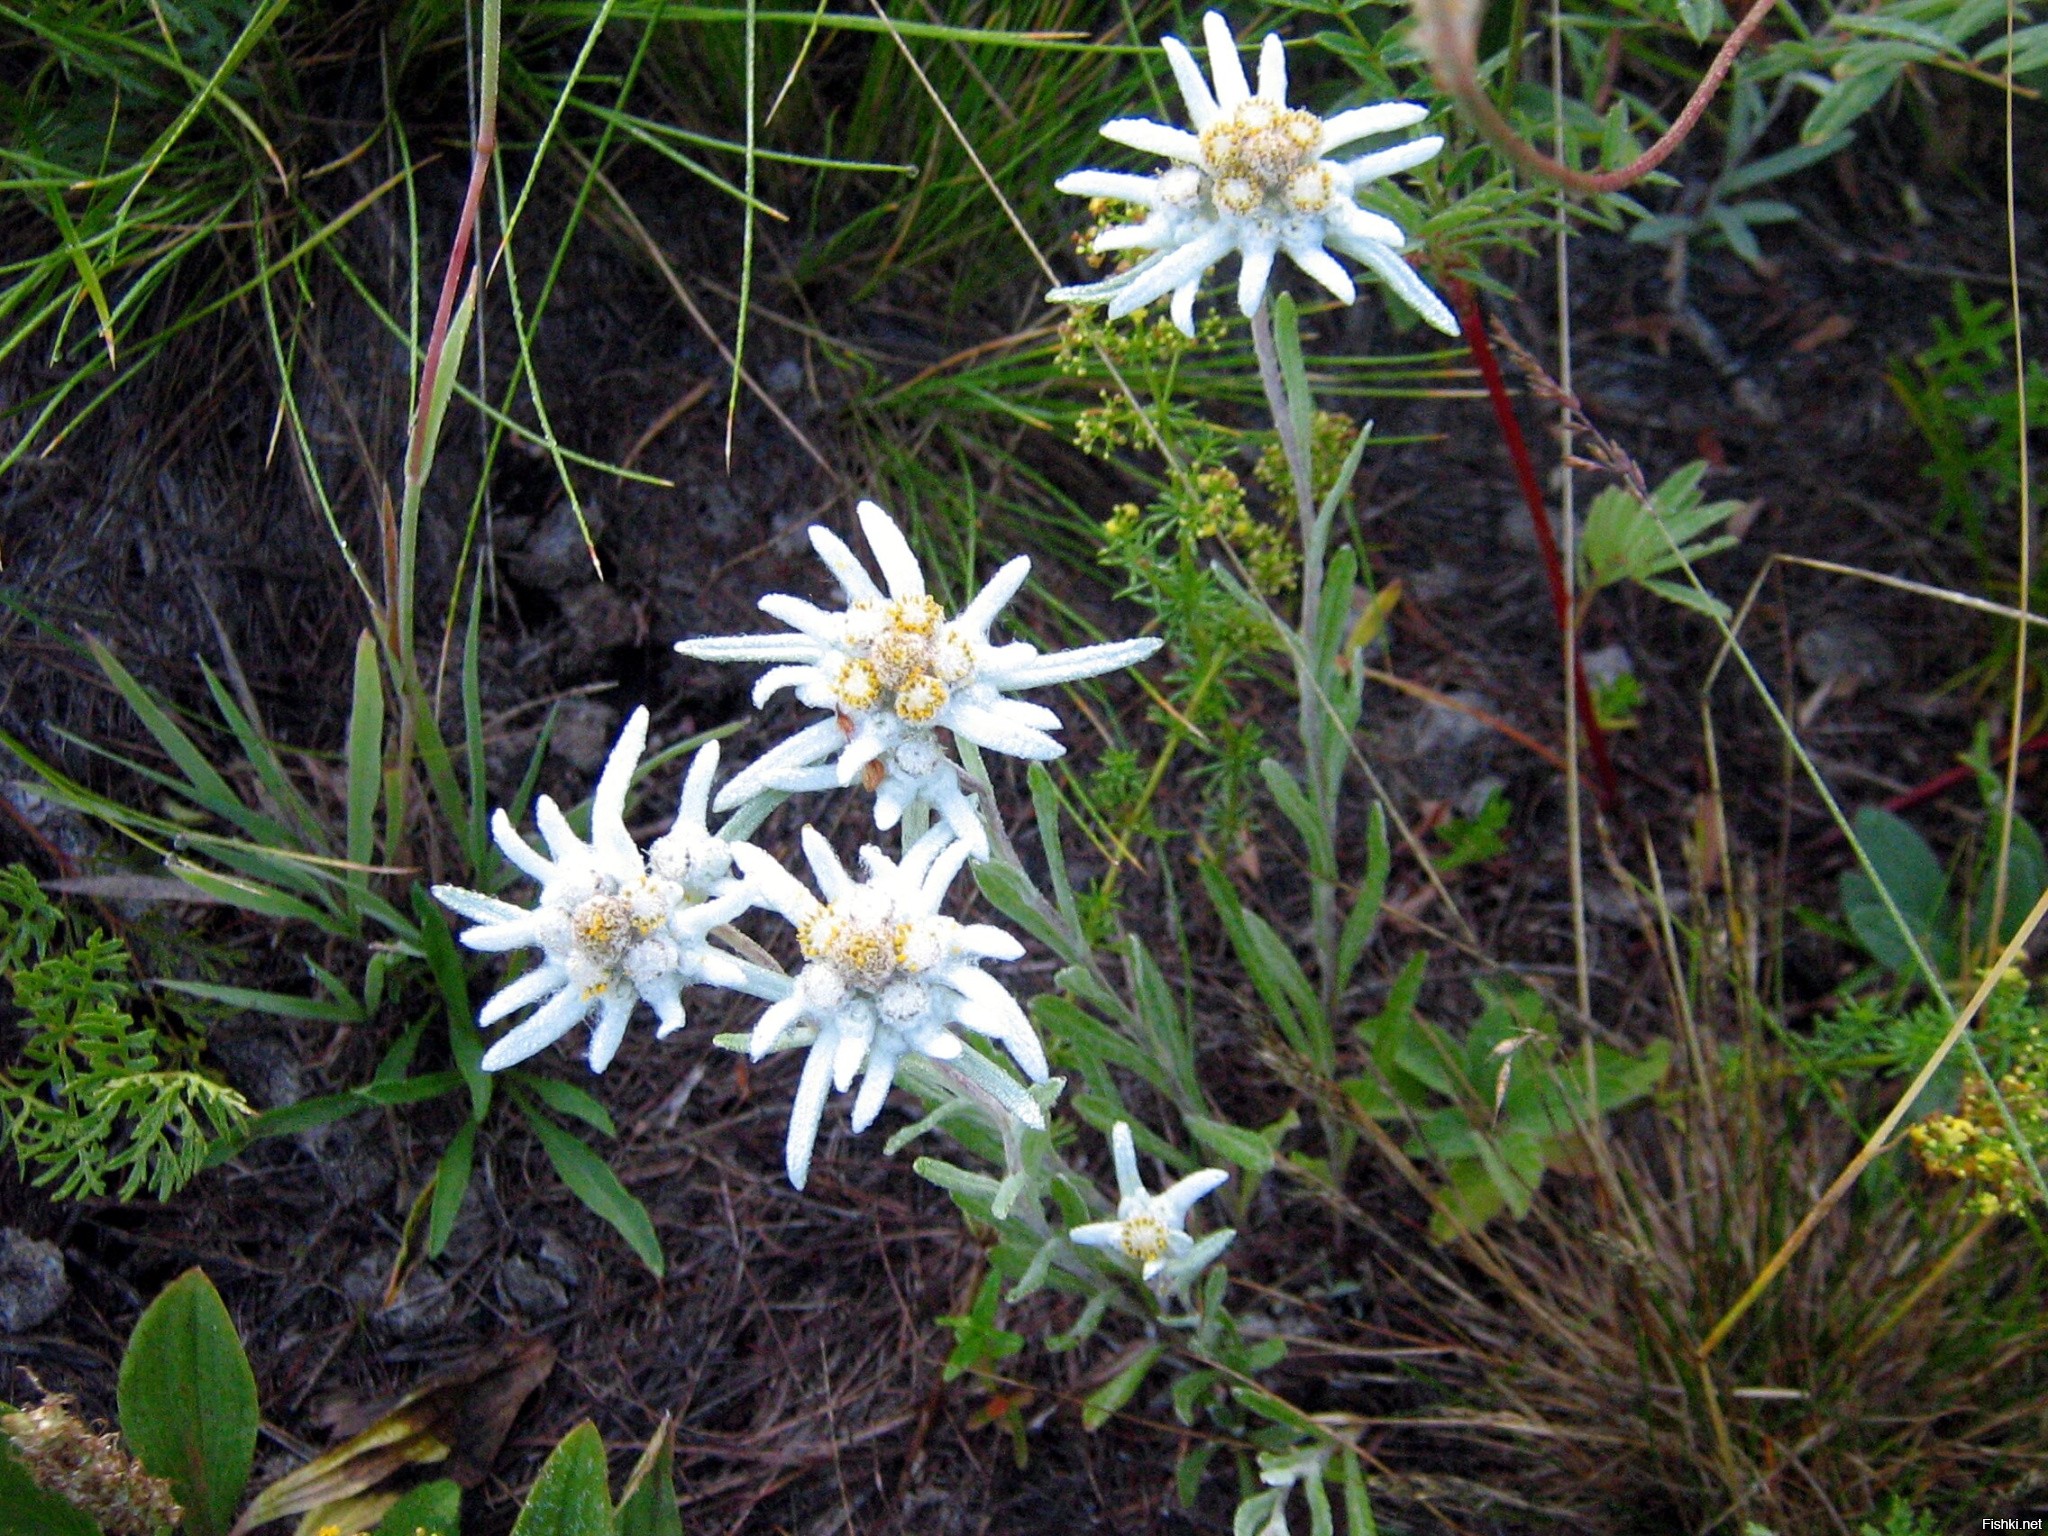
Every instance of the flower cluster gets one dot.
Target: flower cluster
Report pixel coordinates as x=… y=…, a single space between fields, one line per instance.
x=894 y=672
x=885 y=972
x=1254 y=176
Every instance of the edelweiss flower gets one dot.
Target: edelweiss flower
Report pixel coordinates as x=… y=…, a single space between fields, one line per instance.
x=895 y=671
x=613 y=928
x=884 y=974
x=1251 y=178
x=1152 y=1229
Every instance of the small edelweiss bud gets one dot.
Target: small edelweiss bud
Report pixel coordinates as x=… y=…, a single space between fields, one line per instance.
x=820 y=987
x=922 y=945
x=688 y=860
x=919 y=756
x=952 y=658
x=651 y=958
x=903 y=1003
x=865 y=619
x=920 y=698
x=573 y=887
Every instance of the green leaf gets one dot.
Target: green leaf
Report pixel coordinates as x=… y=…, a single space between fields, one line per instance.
x=451 y=1183
x=1189 y=1471
x=571 y=1496
x=1700 y=17
x=1358 y=1520
x=647 y=1504
x=1233 y=1143
x=1918 y=886
x=1364 y=918
x=279 y=1004
x=365 y=754
x=435 y=1508
x=977 y=1339
x=591 y=1180
x=188 y=1402
x=1106 y=1399
x=565 y=1098
x=1689 y=597
x=422 y=453
x=27 y=1510
x=1045 y=808
x=1011 y=894
x=465 y=1043
x=1287 y=794
x=1301 y=401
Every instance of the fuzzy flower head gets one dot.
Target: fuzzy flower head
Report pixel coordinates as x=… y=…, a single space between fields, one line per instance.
x=885 y=974
x=896 y=671
x=1151 y=1230
x=1254 y=176
x=614 y=928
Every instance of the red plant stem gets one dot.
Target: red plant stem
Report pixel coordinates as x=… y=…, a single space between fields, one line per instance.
x=1474 y=324
x=1451 y=50
x=451 y=285
x=1940 y=784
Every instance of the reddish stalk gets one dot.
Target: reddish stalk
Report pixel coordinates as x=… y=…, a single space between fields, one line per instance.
x=1448 y=35
x=1474 y=325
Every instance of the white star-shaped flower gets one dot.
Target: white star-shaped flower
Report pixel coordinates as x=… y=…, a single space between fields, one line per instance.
x=1253 y=177
x=884 y=974
x=613 y=928
x=895 y=671
x=1151 y=1230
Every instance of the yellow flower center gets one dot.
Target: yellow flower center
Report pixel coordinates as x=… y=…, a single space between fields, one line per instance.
x=604 y=925
x=918 y=615
x=858 y=686
x=920 y=698
x=1259 y=150
x=897 y=654
x=1143 y=1238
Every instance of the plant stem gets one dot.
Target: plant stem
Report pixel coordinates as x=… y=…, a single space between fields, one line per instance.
x=1474 y=324
x=1314 y=726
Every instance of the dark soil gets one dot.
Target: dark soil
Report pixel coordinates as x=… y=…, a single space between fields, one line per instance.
x=794 y=1337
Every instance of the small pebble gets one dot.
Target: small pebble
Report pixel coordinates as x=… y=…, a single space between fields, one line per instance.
x=584 y=730
x=1843 y=654
x=527 y=1290
x=1607 y=665
x=33 y=1287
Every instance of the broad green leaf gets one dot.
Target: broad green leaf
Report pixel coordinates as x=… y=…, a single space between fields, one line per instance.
x=647 y=1504
x=1917 y=884
x=591 y=1180
x=422 y=452
x=433 y=1508
x=27 y=1510
x=451 y=1183
x=365 y=754
x=1106 y=1399
x=188 y=1401
x=571 y=1497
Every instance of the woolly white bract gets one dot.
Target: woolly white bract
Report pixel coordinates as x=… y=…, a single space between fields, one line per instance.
x=885 y=974
x=895 y=671
x=1151 y=1230
x=614 y=929
x=1253 y=177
